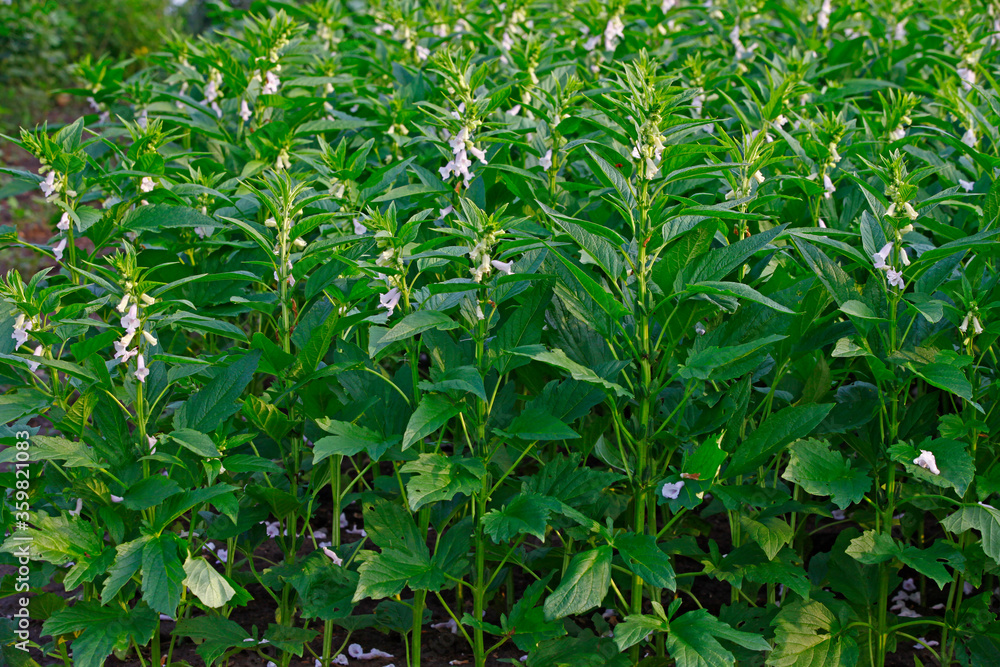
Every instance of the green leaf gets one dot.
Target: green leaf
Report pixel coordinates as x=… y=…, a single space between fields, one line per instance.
x=206 y=583
x=196 y=441
x=206 y=410
x=636 y=627
x=350 y=439
x=538 y=425
x=410 y=326
x=127 y=563
x=215 y=635
x=872 y=548
x=524 y=513
x=162 y=574
x=645 y=558
x=324 y=588
x=770 y=533
x=439 y=478
x=385 y=574
x=737 y=290
x=693 y=640
x=720 y=262
x=431 y=414
x=149 y=492
x=957 y=469
x=773 y=434
x=527 y=621
x=807 y=634
x=711 y=362
x=983 y=518
x=945 y=376
x=102 y=629
x=155 y=217
x=577 y=371
x=462 y=379
x=823 y=472
x=583 y=586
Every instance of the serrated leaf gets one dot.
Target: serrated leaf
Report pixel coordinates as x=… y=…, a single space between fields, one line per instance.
x=438 y=478
x=583 y=586
x=432 y=413
x=823 y=472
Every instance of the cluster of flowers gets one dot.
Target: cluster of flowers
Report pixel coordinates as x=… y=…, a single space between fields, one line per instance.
x=22 y=325
x=132 y=324
x=481 y=261
x=462 y=145
x=281 y=246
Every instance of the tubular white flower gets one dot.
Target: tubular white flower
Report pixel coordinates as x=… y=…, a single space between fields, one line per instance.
x=895 y=278
x=976 y=326
x=503 y=267
x=823 y=17
x=21 y=329
x=910 y=211
x=49 y=185
x=671 y=490
x=147 y=184
x=141 y=371
x=59 y=249
x=332 y=555
x=828 y=186
x=245 y=113
x=927 y=460
x=964 y=326
x=390 y=300
x=969 y=138
x=359 y=229
x=149 y=337
x=966 y=185
x=33 y=365
x=130 y=321
x=64 y=222
x=879 y=258
x=123 y=304
x=546 y=160
x=891 y=211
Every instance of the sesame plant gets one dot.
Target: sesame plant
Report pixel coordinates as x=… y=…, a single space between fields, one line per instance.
x=589 y=334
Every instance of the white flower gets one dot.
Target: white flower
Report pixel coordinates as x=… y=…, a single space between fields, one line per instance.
x=514 y=110
x=899 y=33
x=895 y=278
x=828 y=186
x=461 y=145
x=964 y=326
x=64 y=222
x=21 y=329
x=390 y=299
x=123 y=304
x=271 y=84
x=152 y=444
x=966 y=185
x=355 y=651
x=359 y=229
x=49 y=186
x=332 y=555
x=272 y=529
x=821 y=224
x=245 y=112
x=823 y=18
x=838 y=515
x=969 y=138
x=450 y=625
x=891 y=211
x=926 y=460
x=147 y=184
x=141 y=371
x=613 y=32
x=758 y=176
x=926 y=643
x=149 y=337
x=898 y=133
x=546 y=160
x=116 y=499
x=121 y=348
x=33 y=365
x=742 y=52
x=699 y=329
x=671 y=490
x=667 y=5
x=968 y=77
x=881 y=256
x=343 y=520
x=423 y=53
x=910 y=211
x=130 y=321
x=79 y=508
x=503 y=267
x=58 y=250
